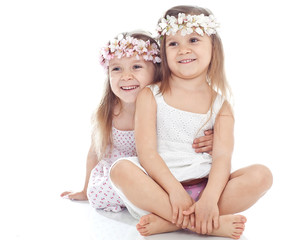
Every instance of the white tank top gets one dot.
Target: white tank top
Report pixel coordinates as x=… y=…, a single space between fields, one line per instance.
x=176 y=131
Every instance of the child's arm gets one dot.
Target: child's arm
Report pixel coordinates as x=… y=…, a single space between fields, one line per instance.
x=146 y=143
x=206 y=209
x=91 y=162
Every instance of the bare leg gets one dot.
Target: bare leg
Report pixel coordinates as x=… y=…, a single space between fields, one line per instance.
x=141 y=189
x=244 y=188
x=155 y=200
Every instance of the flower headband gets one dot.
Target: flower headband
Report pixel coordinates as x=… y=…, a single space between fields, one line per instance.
x=188 y=24
x=128 y=47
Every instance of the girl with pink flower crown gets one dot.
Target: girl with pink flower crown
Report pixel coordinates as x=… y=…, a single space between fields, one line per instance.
x=169 y=187
x=132 y=62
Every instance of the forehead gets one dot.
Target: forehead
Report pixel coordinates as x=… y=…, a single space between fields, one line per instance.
x=126 y=60
x=178 y=36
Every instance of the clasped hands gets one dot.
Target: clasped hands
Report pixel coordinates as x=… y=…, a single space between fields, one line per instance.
x=203 y=215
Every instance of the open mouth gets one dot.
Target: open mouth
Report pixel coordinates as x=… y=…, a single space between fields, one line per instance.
x=128 y=88
x=186 y=60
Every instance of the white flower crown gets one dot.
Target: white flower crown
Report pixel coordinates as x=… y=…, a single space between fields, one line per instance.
x=187 y=24
x=128 y=47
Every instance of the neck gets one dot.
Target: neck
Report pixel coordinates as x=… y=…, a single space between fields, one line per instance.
x=128 y=108
x=124 y=116
x=193 y=84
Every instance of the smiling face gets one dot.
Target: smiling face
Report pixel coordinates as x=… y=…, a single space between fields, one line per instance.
x=188 y=56
x=128 y=76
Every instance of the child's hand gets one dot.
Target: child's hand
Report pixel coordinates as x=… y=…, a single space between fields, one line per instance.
x=81 y=196
x=180 y=201
x=205 y=143
x=207 y=216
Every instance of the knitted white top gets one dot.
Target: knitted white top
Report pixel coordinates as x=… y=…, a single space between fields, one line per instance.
x=176 y=130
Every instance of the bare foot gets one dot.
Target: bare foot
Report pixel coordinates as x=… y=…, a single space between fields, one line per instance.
x=231 y=226
x=152 y=224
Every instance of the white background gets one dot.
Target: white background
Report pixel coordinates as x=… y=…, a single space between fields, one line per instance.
x=51 y=82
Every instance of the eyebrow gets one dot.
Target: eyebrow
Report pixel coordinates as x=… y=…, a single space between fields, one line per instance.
x=170 y=39
x=140 y=61
x=135 y=61
x=114 y=64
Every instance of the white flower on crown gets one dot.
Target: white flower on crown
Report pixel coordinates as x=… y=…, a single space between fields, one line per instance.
x=128 y=47
x=141 y=46
x=113 y=45
x=188 y=24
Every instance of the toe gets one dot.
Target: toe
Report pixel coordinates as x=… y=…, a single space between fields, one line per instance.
x=138 y=226
x=144 y=220
x=235 y=236
x=240 y=219
x=144 y=232
x=239 y=225
x=238 y=231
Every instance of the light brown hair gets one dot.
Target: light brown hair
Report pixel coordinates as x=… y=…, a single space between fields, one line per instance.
x=103 y=117
x=216 y=72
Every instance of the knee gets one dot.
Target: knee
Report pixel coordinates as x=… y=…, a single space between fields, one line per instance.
x=262 y=176
x=120 y=171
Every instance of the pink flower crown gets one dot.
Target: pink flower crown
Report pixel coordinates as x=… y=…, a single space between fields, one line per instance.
x=128 y=47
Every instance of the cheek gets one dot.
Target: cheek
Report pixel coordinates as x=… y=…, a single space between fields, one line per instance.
x=170 y=63
x=147 y=80
x=148 y=76
x=205 y=56
x=151 y=77
x=113 y=85
x=208 y=58
x=168 y=56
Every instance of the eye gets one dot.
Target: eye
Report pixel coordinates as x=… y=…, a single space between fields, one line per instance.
x=173 y=44
x=136 y=66
x=194 y=40
x=115 y=69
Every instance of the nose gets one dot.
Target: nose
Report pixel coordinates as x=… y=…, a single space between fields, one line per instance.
x=127 y=75
x=184 y=49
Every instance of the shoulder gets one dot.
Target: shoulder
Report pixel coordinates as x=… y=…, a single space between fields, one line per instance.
x=145 y=93
x=148 y=92
x=155 y=88
x=145 y=96
x=221 y=106
x=226 y=110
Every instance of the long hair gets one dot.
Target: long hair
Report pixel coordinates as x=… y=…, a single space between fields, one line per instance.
x=103 y=117
x=216 y=72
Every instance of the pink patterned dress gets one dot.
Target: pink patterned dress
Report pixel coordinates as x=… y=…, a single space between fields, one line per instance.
x=100 y=193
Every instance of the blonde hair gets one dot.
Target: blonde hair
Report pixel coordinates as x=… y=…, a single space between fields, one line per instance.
x=103 y=117
x=216 y=72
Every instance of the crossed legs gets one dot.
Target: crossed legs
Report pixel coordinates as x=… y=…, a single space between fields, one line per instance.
x=244 y=188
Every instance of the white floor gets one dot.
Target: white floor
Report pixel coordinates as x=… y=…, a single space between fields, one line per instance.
x=31 y=208
x=77 y=220
x=36 y=213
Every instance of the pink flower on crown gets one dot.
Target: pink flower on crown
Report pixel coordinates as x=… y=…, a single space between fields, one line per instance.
x=141 y=47
x=128 y=47
x=129 y=52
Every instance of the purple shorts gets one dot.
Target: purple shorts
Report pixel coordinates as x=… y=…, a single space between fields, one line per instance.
x=195 y=190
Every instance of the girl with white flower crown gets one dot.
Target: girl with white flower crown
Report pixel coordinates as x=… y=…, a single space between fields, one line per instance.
x=169 y=187
x=132 y=62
